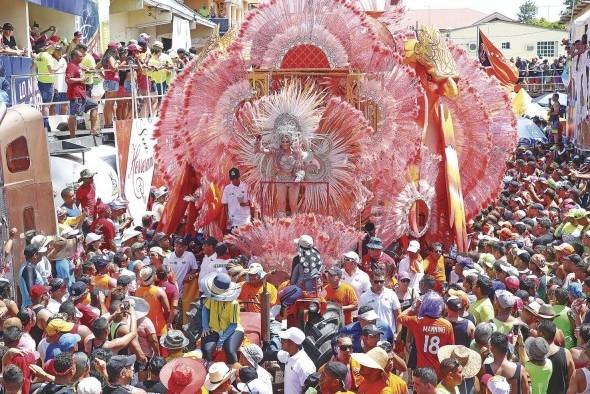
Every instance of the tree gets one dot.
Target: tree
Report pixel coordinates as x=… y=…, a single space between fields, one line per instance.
x=527 y=11
x=568 y=7
x=542 y=22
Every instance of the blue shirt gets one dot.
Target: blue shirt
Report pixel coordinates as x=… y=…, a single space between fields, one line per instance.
x=355 y=331
x=73 y=211
x=22 y=283
x=63 y=269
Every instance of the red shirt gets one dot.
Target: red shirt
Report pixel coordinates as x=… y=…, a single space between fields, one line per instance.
x=75 y=89
x=86 y=196
x=367 y=262
x=429 y=336
x=22 y=363
x=107 y=229
x=170 y=290
x=88 y=314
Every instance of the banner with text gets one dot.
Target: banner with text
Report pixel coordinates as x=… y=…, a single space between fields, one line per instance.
x=140 y=167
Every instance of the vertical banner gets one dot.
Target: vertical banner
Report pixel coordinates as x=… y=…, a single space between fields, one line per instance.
x=88 y=23
x=181 y=33
x=140 y=167
x=122 y=136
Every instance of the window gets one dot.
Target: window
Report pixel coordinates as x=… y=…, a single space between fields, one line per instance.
x=506 y=45
x=546 y=48
x=17 y=155
x=29 y=219
x=530 y=48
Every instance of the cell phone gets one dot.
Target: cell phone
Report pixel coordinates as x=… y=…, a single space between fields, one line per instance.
x=516 y=329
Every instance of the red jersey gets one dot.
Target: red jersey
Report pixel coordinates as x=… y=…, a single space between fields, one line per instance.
x=86 y=196
x=75 y=90
x=429 y=336
x=107 y=229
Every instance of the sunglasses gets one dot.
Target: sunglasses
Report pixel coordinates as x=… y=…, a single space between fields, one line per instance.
x=345 y=347
x=379 y=281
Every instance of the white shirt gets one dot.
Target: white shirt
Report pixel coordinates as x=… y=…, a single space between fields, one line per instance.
x=43 y=268
x=359 y=281
x=257 y=386
x=42 y=348
x=207 y=266
x=181 y=266
x=264 y=377
x=53 y=306
x=60 y=76
x=415 y=277
x=383 y=304
x=297 y=369
x=232 y=196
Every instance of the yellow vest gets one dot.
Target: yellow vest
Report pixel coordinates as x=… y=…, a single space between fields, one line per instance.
x=42 y=62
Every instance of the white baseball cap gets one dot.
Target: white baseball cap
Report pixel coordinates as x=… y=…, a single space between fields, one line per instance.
x=414 y=246
x=92 y=237
x=293 y=334
x=352 y=255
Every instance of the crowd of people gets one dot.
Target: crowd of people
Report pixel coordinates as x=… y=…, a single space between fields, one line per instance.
x=103 y=306
x=78 y=79
x=538 y=74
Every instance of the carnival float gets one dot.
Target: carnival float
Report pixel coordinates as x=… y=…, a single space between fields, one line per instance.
x=335 y=116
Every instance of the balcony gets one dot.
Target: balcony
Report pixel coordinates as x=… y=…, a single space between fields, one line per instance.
x=223 y=24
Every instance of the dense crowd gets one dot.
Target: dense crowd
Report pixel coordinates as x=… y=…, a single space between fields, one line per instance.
x=78 y=79
x=113 y=306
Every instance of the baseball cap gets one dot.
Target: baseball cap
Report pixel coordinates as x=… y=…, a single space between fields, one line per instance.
x=78 y=289
x=117 y=363
x=366 y=312
x=305 y=241
x=512 y=283
x=56 y=284
x=505 y=299
x=159 y=236
x=38 y=290
x=68 y=341
x=414 y=246
x=56 y=326
x=351 y=255
x=124 y=280
x=293 y=334
x=92 y=237
x=7 y=26
x=371 y=329
x=335 y=271
x=234 y=173
x=454 y=303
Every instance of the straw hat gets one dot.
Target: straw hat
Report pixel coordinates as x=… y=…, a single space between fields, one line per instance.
x=375 y=358
x=469 y=359
x=218 y=374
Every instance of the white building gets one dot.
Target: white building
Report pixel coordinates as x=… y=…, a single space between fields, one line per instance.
x=512 y=37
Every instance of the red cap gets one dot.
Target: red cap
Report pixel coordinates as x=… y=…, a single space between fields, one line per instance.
x=512 y=283
x=113 y=44
x=38 y=290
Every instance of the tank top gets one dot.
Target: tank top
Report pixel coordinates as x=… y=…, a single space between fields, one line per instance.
x=587 y=376
x=539 y=375
x=516 y=377
x=558 y=381
x=112 y=334
x=156 y=313
x=36 y=332
x=460 y=332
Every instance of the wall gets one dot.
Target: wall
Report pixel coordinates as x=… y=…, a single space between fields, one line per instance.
x=523 y=38
x=45 y=17
x=15 y=12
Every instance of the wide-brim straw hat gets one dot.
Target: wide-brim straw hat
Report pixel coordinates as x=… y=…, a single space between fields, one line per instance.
x=469 y=359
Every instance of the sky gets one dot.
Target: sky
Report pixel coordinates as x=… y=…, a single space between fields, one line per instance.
x=549 y=9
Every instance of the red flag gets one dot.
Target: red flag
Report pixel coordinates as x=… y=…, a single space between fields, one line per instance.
x=495 y=62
